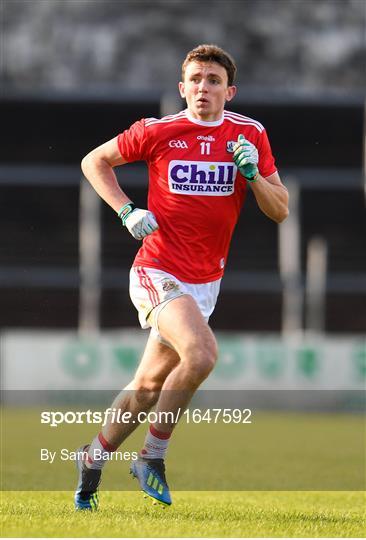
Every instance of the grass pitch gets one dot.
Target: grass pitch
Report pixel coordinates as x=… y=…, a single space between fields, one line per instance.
x=277 y=452
x=193 y=514
x=294 y=453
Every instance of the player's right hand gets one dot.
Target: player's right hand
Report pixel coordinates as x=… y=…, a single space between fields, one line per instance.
x=140 y=223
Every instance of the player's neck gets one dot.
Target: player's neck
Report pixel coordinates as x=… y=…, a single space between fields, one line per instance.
x=205 y=118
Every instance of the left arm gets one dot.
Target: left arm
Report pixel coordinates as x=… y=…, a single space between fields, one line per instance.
x=271 y=196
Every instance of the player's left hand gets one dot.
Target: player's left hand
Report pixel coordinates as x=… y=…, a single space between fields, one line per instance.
x=246 y=158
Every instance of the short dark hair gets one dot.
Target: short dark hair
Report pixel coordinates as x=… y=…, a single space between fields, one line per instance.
x=212 y=53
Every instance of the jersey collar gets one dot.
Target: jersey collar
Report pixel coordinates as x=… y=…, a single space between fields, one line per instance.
x=202 y=122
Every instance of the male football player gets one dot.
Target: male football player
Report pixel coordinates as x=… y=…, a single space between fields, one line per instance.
x=201 y=163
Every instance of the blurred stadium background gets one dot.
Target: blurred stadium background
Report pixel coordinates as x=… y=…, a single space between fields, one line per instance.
x=74 y=73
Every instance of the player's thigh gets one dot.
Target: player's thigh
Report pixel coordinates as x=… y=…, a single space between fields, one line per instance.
x=182 y=324
x=157 y=362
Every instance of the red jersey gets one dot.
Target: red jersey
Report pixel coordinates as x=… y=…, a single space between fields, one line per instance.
x=195 y=190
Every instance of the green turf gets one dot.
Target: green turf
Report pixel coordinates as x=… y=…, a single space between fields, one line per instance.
x=193 y=514
x=278 y=451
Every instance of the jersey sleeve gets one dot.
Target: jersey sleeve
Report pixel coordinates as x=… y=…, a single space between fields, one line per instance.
x=266 y=162
x=132 y=142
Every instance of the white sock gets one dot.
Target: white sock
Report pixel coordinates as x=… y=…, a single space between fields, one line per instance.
x=156 y=444
x=99 y=452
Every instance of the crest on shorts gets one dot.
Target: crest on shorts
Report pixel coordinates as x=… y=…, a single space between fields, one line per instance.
x=230 y=146
x=169 y=285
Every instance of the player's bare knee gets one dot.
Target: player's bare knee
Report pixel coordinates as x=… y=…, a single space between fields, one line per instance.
x=202 y=369
x=148 y=385
x=197 y=372
x=208 y=348
x=147 y=391
x=200 y=359
x=206 y=360
x=203 y=344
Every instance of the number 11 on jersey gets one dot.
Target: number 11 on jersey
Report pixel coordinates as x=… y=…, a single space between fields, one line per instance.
x=205 y=148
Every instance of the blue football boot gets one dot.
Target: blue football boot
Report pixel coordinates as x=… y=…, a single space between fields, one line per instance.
x=86 y=494
x=151 y=475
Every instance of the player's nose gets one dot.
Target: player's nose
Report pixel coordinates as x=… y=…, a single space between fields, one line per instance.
x=202 y=87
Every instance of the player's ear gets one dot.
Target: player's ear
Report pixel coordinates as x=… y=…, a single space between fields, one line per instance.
x=181 y=89
x=230 y=92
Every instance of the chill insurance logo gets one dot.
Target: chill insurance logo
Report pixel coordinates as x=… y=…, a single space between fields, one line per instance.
x=201 y=178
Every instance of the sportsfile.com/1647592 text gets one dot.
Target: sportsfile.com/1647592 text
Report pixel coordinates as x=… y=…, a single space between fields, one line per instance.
x=113 y=415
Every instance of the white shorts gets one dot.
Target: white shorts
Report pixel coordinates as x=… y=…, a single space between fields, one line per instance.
x=152 y=289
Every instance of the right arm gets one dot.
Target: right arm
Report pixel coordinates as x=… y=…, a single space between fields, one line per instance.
x=97 y=167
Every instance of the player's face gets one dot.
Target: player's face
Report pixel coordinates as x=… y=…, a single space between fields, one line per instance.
x=205 y=89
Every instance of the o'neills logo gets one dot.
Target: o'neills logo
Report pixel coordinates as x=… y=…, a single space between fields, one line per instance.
x=206 y=138
x=201 y=177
